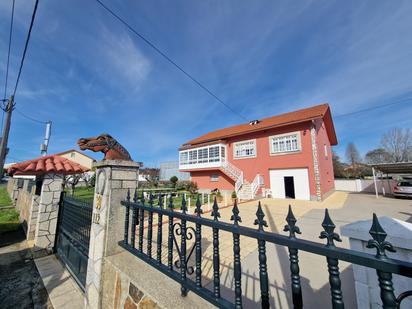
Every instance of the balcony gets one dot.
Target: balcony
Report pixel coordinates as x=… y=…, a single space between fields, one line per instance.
x=211 y=156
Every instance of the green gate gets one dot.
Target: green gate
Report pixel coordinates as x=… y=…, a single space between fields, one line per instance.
x=75 y=219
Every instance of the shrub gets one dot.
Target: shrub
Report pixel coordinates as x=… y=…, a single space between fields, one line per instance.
x=234 y=194
x=192 y=187
x=174 y=180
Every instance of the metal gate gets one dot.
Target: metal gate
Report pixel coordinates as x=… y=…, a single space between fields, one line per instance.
x=75 y=218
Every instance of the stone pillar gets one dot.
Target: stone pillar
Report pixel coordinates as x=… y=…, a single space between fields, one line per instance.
x=113 y=179
x=45 y=233
x=315 y=161
x=366 y=279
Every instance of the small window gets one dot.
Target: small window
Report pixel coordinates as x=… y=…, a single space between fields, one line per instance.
x=244 y=149
x=72 y=155
x=214 y=177
x=192 y=156
x=183 y=158
x=285 y=143
x=214 y=154
x=202 y=155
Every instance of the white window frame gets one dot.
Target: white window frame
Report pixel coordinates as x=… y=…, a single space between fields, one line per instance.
x=299 y=144
x=244 y=156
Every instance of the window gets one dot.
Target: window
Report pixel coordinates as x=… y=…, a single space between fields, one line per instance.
x=285 y=143
x=192 y=156
x=222 y=152
x=183 y=158
x=202 y=155
x=72 y=155
x=214 y=177
x=244 y=149
x=326 y=151
x=214 y=154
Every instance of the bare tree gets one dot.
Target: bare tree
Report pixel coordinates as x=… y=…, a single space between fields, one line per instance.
x=352 y=154
x=398 y=143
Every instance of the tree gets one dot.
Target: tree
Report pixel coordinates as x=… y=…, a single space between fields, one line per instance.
x=192 y=187
x=398 y=143
x=174 y=180
x=352 y=155
x=378 y=155
x=338 y=166
x=151 y=175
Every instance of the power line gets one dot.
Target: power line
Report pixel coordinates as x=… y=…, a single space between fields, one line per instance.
x=25 y=46
x=373 y=108
x=8 y=52
x=170 y=60
x=30 y=118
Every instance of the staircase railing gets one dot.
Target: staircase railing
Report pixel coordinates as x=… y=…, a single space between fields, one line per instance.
x=255 y=185
x=235 y=172
x=239 y=183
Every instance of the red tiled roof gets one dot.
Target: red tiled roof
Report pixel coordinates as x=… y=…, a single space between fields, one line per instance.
x=47 y=164
x=302 y=115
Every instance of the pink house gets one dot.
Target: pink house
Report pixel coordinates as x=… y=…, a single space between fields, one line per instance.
x=284 y=156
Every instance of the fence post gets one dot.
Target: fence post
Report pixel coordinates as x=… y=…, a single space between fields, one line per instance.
x=44 y=236
x=113 y=179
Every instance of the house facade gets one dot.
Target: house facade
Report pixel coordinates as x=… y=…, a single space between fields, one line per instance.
x=284 y=156
x=78 y=157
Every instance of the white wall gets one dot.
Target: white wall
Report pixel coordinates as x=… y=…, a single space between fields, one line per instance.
x=300 y=178
x=365 y=185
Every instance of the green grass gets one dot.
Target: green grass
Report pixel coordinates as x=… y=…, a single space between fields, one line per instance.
x=4 y=197
x=9 y=220
x=83 y=193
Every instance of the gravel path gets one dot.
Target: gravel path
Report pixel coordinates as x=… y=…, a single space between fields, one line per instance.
x=21 y=285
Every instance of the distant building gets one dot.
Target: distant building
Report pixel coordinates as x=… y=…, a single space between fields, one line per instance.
x=78 y=157
x=169 y=169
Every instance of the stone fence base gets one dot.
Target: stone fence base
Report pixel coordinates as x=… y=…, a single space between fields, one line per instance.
x=129 y=282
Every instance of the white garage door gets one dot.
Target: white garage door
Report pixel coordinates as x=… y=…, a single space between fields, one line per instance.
x=297 y=178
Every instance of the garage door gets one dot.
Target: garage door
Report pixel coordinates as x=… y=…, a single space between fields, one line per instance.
x=291 y=183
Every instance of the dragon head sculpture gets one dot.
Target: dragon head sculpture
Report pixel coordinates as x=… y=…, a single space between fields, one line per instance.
x=107 y=144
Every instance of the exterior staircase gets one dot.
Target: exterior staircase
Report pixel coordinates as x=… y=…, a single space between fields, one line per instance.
x=245 y=192
x=244 y=189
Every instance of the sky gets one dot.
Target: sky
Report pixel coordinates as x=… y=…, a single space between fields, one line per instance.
x=89 y=74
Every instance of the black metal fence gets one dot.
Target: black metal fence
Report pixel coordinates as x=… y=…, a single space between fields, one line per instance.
x=73 y=236
x=139 y=211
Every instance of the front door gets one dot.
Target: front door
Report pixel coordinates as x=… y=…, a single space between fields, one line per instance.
x=289 y=187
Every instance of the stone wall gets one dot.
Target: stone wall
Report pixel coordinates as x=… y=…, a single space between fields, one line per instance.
x=128 y=282
x=12 y=189
x=45 y=232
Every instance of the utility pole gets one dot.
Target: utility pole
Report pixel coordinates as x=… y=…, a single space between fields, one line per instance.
x=45 y=145
x=3 y=145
